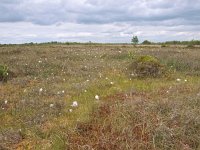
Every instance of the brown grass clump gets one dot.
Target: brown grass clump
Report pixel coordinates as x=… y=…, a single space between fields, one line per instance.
x=8 y=138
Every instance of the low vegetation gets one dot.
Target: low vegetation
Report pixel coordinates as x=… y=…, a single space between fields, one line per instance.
x=147 y=66
x=99 y=97
x=3 y=72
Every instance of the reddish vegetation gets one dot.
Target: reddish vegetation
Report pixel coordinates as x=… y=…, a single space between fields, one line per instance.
x=99 y=133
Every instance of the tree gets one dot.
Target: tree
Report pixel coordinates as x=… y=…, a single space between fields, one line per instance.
x=135 y=40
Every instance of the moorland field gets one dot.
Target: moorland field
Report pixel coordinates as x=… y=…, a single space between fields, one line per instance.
x=58 y=96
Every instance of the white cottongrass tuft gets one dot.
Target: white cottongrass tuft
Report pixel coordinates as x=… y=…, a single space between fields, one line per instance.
x=111 y=83
x=63 y=91
x=40 y=90
x=70 y=110
x=100 y=75
x=97 y=97
x=51 y=105
x=6 y=102
x=178 y=80
x=74 y=104
x=132 y=74
x=185 y=80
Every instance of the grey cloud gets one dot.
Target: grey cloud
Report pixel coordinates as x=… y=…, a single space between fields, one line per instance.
x=98 y=11
x=9 y=11
x=148 y=12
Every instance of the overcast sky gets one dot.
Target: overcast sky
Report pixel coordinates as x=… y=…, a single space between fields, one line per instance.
x=98 y=20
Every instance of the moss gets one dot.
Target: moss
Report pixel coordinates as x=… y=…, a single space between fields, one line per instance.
x=147 y=66
x=163 y=45
x=147 y=58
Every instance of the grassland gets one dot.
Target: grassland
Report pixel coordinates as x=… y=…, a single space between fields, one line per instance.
x=36 y=109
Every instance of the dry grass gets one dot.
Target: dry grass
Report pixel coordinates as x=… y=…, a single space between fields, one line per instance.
x=149 y=113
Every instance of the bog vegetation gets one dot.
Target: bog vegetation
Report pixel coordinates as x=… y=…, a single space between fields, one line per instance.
x=147 y=66
x=98 y=96
x=3 y=72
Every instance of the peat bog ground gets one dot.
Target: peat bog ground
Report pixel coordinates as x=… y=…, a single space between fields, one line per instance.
x=59 y=96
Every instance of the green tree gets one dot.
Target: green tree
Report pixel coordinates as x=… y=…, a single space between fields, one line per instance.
x=135 y=40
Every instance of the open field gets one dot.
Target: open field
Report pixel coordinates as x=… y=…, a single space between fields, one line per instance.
x=131 y=113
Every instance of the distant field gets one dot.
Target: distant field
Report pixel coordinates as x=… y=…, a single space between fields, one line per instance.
x=85 y=97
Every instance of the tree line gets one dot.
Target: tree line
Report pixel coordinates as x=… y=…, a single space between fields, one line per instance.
x=135 y=41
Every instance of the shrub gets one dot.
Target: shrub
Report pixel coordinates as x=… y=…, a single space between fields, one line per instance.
x=147 y=66
x=146 y=42
x=3 y=73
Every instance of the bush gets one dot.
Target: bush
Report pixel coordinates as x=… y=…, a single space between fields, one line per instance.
x=3 y=73
x=147 y=66
x=146 y=42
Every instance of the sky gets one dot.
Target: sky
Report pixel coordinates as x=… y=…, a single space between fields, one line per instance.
x=116 y=21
